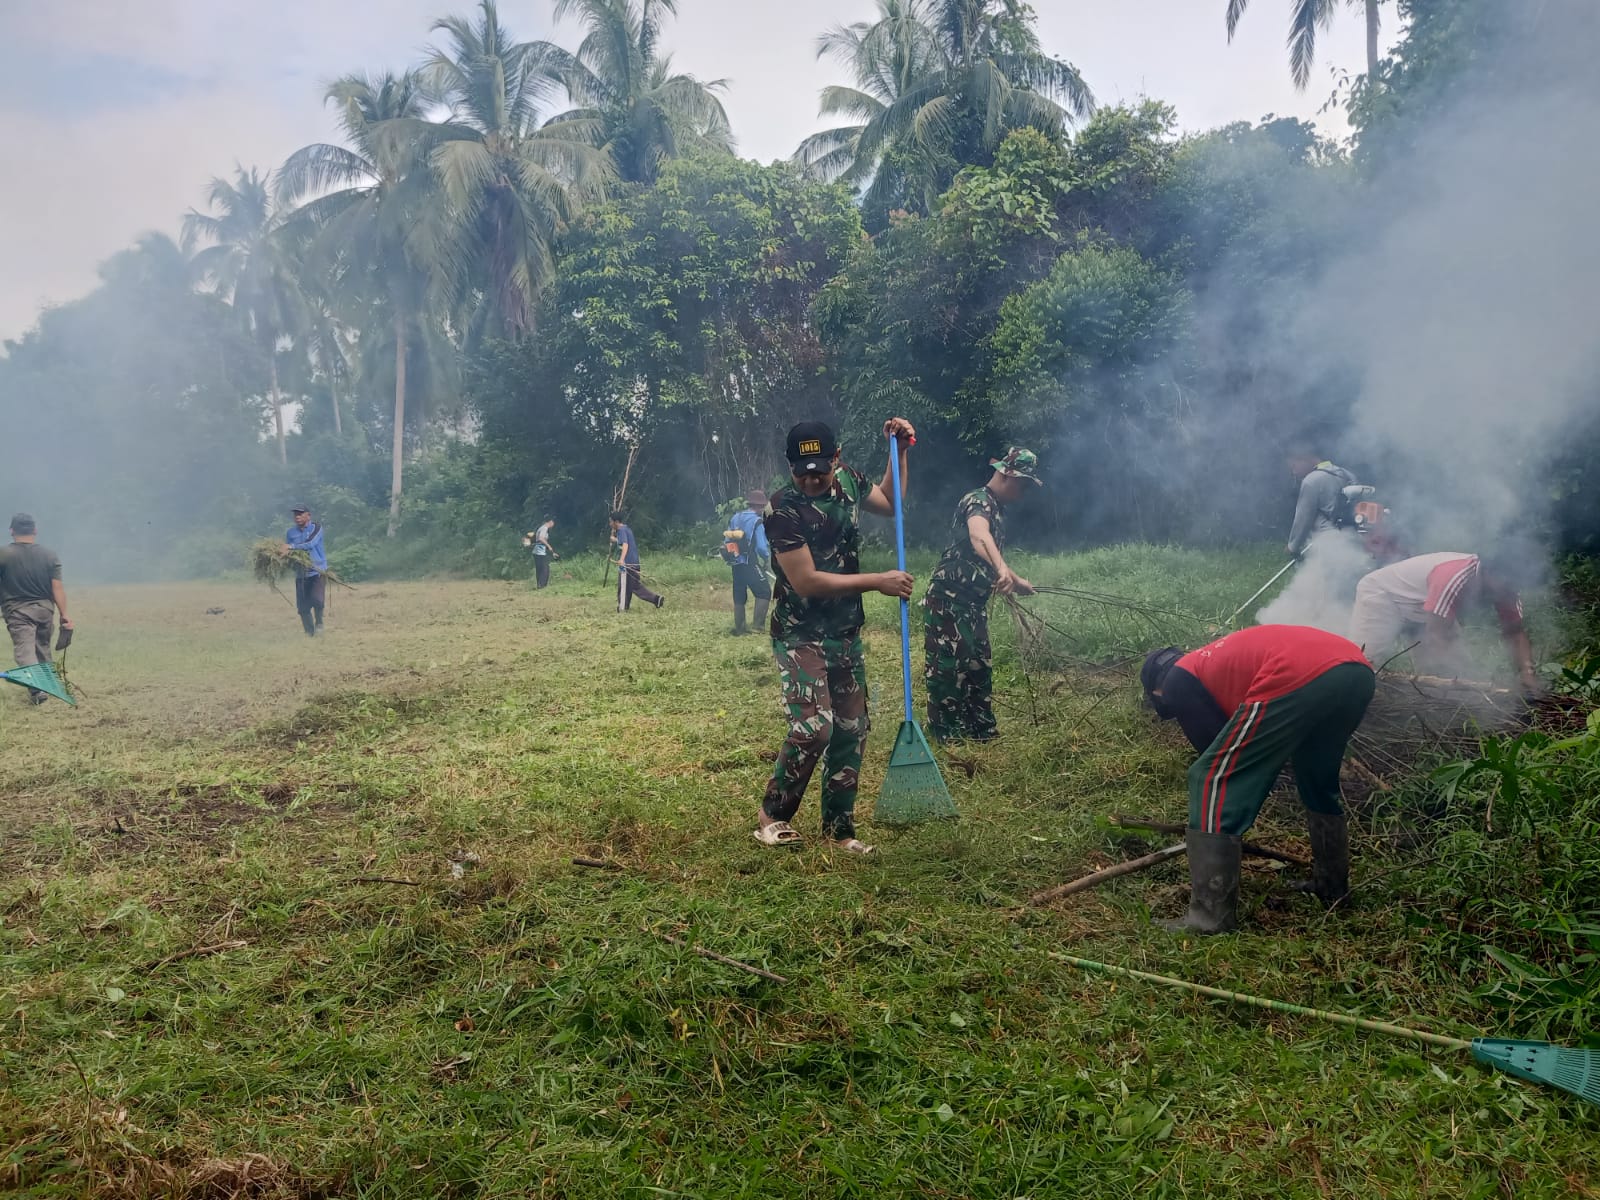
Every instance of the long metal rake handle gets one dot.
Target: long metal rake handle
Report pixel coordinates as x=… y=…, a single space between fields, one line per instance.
x=1433 y=1039
x=900 y=561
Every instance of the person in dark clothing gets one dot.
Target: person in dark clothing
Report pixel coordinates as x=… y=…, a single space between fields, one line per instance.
x=1250 y=702
x=749 y=534
x=629 y=583
x=31 y=596
x=310 y=584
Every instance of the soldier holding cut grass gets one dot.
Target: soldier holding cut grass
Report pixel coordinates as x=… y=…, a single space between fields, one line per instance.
x=813 y=525
x=955 y=630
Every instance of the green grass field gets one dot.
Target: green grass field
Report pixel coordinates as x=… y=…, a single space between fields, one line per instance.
x=295 y=918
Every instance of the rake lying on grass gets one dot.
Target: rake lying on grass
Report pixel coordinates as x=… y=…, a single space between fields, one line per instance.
x=271 y=562
x=1572 y=1070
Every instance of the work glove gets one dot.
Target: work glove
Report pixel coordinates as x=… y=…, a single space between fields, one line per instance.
x=64 y=638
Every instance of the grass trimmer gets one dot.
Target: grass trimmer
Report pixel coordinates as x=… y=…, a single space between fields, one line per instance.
x=1572 y=1070
x=913 y=788
x=1281 y=572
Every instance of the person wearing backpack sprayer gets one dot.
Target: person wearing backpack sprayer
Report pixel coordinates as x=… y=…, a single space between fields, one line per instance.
x=744 y=547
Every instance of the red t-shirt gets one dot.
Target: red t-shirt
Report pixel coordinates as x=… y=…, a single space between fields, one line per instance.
x=1266 y=661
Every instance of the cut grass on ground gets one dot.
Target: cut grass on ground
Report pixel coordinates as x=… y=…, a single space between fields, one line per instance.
x=293 y=917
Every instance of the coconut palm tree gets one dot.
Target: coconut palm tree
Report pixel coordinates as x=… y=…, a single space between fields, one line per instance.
x=1306 y=17
x=938 y=85
x=376 y=227
x=251 y=264
x=624 y=87
x=509 y=182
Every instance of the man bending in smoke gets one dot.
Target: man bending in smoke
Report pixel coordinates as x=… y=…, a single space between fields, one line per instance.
x=1422 y=598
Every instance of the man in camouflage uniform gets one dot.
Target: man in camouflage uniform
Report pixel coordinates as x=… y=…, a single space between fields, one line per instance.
x=813 y=525
x=955 y=627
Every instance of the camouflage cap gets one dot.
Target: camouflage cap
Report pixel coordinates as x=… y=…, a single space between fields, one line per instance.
x=1020 y=463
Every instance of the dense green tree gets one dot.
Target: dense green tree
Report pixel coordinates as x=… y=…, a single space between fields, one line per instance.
x=509 y=181
x=694 y=295
x=1306 y=19
x=937 y=86
x=624 y=87
x=251 y=263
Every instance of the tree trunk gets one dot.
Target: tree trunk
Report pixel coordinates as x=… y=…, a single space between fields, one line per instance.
x=333 y=390
x=1372 y=38
x=277 y=408
x=399 y=423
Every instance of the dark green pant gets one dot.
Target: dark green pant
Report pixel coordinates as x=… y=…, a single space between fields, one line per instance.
x=1309 y=726
x=958 y=669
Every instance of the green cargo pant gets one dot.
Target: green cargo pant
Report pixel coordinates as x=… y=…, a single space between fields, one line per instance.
x=1311 y=726
x=825 y=699
x=958 y=669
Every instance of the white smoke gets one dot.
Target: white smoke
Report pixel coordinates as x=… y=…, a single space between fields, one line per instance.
x=1323 y=587
x=1468 y=309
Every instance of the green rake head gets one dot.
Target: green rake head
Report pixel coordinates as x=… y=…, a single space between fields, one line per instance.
x=913 y=788
x=1572 y=1070
x=41 y=677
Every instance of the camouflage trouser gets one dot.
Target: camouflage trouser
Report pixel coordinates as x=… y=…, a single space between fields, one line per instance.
x=957 y=668
x=825 y=699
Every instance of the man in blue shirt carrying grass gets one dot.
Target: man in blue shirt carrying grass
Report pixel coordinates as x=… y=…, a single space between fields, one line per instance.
x=310 y=584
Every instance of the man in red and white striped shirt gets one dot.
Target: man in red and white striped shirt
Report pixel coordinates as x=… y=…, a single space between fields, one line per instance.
x=1426 y=596
x=1251 y=702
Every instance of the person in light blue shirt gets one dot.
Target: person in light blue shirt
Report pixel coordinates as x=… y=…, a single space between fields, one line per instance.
x=746 y=540
x=629 y=582
x=310 y=584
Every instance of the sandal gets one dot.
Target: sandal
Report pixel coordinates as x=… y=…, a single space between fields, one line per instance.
x=854 y=846
x=778 y=833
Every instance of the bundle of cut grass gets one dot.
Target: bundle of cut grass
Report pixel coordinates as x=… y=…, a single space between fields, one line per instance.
x=271 y=562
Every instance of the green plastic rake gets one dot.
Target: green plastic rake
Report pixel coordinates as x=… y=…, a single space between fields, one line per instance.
x=913 y=788
x=1572 y=1070
x=41 y=677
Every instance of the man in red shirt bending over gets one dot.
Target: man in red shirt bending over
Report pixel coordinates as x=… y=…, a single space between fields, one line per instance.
x=1250 y=702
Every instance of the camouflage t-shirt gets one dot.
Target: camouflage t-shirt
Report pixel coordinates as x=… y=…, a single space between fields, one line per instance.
x=963 y=577
x=830 y=525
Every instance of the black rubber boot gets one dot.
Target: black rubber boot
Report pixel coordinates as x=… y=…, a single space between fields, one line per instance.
x=308 y=624
x=317 y=612
x=738 y=621
x=760 y=623
x=1330 y=858
x=1213 y=884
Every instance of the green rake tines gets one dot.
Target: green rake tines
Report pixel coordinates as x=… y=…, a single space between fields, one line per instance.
x=913 y=788
x=41 y=677
x=1572 y=1070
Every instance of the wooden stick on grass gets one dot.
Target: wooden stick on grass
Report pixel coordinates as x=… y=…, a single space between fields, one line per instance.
x=721 y=958
x=602 y=864
x=1094 y=879
x=1122 y=820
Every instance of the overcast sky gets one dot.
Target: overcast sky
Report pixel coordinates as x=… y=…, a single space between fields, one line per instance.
x=115 y=113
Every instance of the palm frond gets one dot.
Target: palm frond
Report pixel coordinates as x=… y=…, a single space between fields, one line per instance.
x=316 y=168
x=1235 y=11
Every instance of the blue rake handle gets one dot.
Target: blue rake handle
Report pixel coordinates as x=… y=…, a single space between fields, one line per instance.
x=900 y=560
